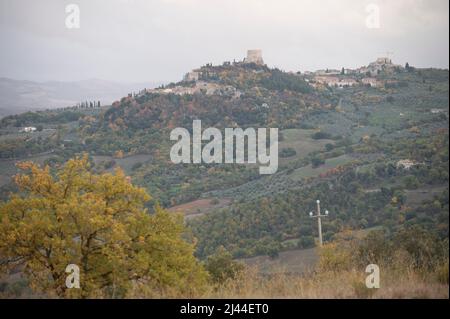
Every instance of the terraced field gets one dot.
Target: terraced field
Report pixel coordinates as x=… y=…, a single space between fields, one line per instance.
x=309 y=171
x=200 y=207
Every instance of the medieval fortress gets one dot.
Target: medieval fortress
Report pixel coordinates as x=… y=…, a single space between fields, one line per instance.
x=199 y=79
x=200 y=75
x=254 y=56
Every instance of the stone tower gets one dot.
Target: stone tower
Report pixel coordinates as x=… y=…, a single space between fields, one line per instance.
x=254 y=56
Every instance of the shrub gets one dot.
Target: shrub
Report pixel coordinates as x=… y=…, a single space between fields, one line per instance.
x=214 y=201
x=317 y=161
x=306 y=242
x=221 y=266
x=321 y=136
x=334 y=258
x=287 y=152
x=136 y=166
x=329 y=147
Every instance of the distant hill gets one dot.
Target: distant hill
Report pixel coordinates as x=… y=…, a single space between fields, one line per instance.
x=340 y=143
x=17 y=96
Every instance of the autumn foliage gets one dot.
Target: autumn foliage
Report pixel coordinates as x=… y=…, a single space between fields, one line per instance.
x=99 y=223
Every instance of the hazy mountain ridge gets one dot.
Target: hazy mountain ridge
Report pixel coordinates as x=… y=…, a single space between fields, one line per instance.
x=17 y=96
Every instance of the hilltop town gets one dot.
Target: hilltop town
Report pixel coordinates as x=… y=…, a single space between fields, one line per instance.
x=201 y=80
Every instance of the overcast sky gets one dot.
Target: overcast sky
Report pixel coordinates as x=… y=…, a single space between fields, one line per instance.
x=160 y=40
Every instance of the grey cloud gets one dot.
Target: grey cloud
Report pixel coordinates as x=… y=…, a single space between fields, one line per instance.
x=139 y=40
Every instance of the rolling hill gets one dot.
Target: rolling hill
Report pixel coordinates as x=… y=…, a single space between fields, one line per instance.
x=342 y=145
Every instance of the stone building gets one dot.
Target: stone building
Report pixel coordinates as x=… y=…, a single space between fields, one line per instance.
x=335 y=81
x=382 y=64
x=373 y=82
x=254 y=56
x=191 y=76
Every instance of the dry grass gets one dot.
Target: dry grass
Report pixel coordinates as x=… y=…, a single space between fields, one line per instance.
x=330 y=285
x=346 y=284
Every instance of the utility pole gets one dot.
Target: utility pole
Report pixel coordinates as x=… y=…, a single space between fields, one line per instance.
x=319 y=222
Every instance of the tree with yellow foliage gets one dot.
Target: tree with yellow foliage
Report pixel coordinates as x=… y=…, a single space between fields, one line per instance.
x=99 y=223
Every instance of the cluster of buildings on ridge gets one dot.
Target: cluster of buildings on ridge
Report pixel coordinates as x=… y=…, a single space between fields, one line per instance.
x=349 y=77
x=199 y=85
x=366 y=75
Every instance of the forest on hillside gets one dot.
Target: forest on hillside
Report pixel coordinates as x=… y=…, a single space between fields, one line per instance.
x=376 y=157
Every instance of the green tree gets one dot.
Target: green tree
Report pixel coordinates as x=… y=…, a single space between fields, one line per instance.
x=411 y=182
x=317 y=161
x=99 y=223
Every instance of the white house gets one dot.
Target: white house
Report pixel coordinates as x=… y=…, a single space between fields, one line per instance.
x=406 y=164
x=373 y=82
x=28 y=129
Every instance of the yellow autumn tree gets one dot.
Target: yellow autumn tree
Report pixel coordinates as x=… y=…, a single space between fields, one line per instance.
x=98 y=223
